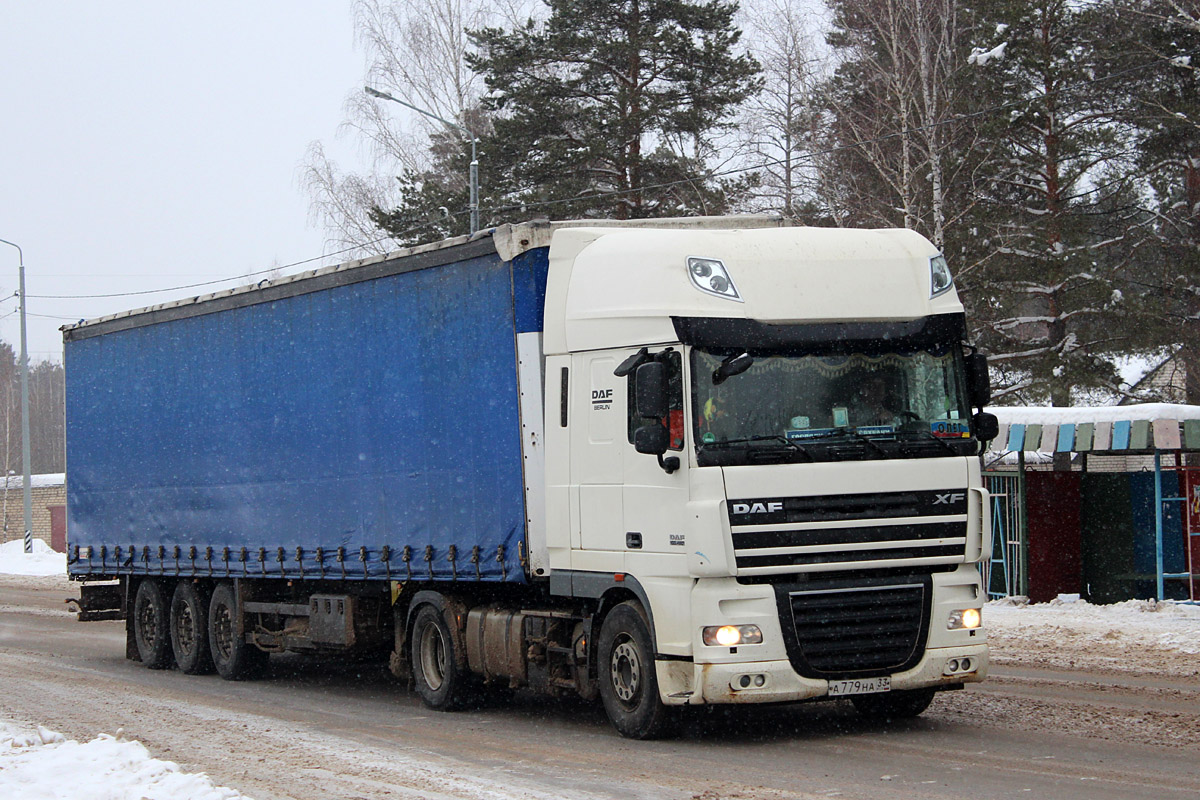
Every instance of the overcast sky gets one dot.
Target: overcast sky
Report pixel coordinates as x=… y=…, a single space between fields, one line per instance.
x=148 y=145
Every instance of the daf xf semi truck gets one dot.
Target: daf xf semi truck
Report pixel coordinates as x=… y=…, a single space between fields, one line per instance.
x=667 y=463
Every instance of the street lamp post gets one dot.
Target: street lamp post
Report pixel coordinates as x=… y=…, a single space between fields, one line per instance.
x=28 y=496
x=474 y=172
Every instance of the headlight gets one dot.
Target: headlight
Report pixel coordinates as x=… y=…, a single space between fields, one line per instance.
x=967 y=618
x=731 y=635
x=939 y=276
x=710 y=276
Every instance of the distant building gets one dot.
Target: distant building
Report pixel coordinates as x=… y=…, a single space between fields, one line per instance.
x=1165 y=382
x=49 y=495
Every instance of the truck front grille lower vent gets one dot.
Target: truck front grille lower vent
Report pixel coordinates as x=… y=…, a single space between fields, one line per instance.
x=877 y=629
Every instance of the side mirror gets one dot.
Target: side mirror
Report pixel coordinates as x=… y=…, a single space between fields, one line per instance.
x=651 y=439
x=979 y=384
x=987 y=427
x=651 y=390
x=734 y=365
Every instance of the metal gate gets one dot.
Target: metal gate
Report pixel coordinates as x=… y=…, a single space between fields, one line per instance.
x=1007 y=574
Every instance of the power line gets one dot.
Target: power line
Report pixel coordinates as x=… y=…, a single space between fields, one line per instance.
x=210 y=283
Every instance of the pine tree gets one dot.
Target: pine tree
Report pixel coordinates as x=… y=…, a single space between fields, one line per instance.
x=609 y=109
x=1056 y=206
x=1153 y=70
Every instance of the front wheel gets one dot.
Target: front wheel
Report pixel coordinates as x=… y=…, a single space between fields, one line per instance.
x=150 y=621
x=628 y=681
x=892 y=705
x=440 y=678
x=234 y=658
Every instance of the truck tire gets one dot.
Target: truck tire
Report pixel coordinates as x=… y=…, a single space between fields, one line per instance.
x=892 y=705
x=150 y=625
x=440 y=681
x=189 y=630
x=628 y=681
x=234 y=659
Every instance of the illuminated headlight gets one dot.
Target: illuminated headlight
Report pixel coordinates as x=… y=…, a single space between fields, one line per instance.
x=710 y=276
x=966 y=618
x=731 y=635
x=939 y=276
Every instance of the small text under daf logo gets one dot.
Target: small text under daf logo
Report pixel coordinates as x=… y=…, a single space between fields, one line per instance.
x=948 y=499
x=757 y=508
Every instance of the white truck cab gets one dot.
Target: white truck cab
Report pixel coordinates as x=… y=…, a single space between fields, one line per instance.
x=806 y=512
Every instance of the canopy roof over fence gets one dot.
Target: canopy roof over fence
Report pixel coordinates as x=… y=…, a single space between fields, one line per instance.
x=1111 y=430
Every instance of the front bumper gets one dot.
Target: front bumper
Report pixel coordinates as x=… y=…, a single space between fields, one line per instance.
x=687 y=683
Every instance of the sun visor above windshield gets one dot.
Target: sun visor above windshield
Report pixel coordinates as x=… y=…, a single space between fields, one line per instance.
x=717 y=333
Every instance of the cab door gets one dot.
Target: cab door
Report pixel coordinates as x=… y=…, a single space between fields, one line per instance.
x=597 y=450
x=654 y=501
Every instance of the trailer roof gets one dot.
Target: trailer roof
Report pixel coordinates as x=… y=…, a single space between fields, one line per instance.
x=508 y=240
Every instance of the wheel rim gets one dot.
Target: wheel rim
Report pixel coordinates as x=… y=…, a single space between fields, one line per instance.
x=626 y=671
x=185 y=628
x=223 y=631
x=433 y=656
x=147 y=622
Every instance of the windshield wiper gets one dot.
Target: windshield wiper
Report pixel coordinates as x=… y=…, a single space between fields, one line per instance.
x=926 y=436
x=866 y=439
x=794 y=446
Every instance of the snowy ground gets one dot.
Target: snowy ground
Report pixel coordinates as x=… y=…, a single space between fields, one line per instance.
x=39 y=764
x=42 y=561
x=1130 y=640
x=1143 y=636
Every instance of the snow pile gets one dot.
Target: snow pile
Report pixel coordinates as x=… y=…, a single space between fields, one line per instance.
x=44 y=765
x=1076 y=625
x=42 y=561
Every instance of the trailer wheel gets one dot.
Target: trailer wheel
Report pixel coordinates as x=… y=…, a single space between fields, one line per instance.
x=440 y=682
x=628 y=681
x=189 y=630
x=234 y=659
x=150 y=619
x=892 y=705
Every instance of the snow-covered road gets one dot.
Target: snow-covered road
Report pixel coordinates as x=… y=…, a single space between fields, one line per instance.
x=1084 y=702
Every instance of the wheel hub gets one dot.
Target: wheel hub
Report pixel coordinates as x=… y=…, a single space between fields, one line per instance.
x=433 y=657
x=626 y=671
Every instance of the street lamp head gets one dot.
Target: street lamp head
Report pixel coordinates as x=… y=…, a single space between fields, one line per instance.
x=377 y=93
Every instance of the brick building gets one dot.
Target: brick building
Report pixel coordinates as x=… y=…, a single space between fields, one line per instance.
x=49 y=495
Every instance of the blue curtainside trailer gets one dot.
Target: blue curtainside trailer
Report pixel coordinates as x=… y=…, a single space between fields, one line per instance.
x=357 y=423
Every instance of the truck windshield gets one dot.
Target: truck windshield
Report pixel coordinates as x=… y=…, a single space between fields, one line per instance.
x=831 y=406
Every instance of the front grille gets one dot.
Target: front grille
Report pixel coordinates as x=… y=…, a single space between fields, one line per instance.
x=926 y=528
x=857 y=630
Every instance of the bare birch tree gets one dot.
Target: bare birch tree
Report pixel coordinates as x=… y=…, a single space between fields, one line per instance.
x=416 y=51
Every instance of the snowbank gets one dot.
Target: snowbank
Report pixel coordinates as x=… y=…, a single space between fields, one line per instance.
x=1119 y=631
x=42 y=561
x=45 y=765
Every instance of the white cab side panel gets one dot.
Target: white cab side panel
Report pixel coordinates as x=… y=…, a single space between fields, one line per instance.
x=559 y=526
x=530 y=380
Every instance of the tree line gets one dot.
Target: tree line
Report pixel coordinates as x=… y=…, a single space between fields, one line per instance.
x=47 y=416
x=1050 y=149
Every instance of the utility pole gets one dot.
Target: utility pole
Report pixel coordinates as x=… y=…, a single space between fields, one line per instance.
x=24 y=406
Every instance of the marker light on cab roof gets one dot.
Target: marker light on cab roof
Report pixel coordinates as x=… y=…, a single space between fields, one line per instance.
x=710 y=276
x=940 y=278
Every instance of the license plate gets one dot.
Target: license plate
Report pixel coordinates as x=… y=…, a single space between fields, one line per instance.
x=860 y=686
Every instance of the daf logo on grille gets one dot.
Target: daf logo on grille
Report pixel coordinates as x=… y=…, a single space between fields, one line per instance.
x=948 y=499
x=757 y=508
